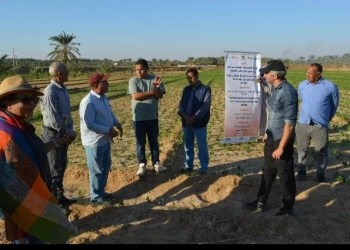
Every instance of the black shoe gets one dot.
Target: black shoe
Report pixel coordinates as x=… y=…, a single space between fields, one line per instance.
x=108 y=197
x=63 y=200
x=301 y=176
x=321 y=178
x=255 y=205
x=284 y=211
x=202 y=172
x=186 y=170
x=97 y=201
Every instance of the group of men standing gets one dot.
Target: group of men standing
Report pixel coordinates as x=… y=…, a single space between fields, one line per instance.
x=319 y=102
x=99 y=125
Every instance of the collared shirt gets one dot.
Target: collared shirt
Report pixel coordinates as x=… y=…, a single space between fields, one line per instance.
x=54 y=104
x=96 y=119
x=319 y=102
x=283 y=109
x=146 y=109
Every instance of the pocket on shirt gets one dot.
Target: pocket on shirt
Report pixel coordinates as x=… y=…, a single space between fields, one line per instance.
x=276 y=105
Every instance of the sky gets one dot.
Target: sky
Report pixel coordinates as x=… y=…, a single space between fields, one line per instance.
x=177 y=29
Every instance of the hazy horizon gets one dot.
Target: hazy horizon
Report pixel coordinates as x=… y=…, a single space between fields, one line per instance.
x=176 y=30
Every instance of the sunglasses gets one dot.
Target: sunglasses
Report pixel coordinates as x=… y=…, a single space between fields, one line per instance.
x=28 y=99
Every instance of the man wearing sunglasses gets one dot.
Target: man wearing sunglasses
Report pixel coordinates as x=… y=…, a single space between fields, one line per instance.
x=55 y=107
x=28 y=100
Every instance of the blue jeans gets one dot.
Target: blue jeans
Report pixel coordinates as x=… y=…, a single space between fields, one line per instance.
x=201 y=136
x=99 y=164
x=150 y=129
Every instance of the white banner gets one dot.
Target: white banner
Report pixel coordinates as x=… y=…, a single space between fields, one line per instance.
x=242 y=96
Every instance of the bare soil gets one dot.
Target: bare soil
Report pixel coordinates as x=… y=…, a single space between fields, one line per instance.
x=169 y=208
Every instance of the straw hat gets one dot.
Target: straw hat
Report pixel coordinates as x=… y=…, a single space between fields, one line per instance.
x=15 y=84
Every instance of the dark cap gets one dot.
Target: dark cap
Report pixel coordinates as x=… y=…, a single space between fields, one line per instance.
x=273 y=65
x=96 y=78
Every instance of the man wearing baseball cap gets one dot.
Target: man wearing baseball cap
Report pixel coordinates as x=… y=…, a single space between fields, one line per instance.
x=278 y=139
x=97 y=123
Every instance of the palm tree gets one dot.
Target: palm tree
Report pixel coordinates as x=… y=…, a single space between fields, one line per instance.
x=4 y=68
x=64 y=48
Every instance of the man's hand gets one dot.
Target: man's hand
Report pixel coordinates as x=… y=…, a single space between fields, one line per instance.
x=60 y=140
x=189 y=120
x=277 y=153
x=155 y=94
x=120 y=128
x=72 y=137
x=264 y=139
x=157 y=82
x=156 y=88
x=113 y=132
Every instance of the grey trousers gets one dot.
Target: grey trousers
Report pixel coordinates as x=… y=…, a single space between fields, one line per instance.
x=57 y=161
x=319 y=135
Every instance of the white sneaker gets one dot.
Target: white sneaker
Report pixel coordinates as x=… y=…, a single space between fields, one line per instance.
x=159 y=168
x=142 y=169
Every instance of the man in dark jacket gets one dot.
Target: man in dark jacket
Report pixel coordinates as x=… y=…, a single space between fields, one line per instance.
x=194 y=110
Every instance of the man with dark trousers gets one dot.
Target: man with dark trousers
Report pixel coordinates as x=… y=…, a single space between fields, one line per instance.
x=56 y=111
x=279 y=139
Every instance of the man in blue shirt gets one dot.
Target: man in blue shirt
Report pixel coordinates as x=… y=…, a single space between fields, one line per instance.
x=97 y=126
x=319 y=102
x=278 y=139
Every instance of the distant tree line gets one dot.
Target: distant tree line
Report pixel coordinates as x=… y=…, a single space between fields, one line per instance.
x=67 y=51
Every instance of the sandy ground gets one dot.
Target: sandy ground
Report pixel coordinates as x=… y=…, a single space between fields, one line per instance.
x=173 y=208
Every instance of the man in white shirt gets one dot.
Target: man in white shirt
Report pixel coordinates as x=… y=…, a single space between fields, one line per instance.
x=97 y=123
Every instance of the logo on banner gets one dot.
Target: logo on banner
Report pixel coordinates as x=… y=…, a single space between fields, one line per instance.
x=243 y=57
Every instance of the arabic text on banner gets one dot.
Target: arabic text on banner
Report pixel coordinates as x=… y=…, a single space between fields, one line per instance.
x=242 y=96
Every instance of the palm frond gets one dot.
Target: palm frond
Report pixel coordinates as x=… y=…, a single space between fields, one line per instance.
x=65 y=48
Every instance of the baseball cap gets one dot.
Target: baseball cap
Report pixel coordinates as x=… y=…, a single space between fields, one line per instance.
x=273 y=65
x=97 y=78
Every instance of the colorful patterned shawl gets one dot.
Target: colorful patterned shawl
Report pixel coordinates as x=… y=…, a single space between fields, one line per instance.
x=23 y=193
